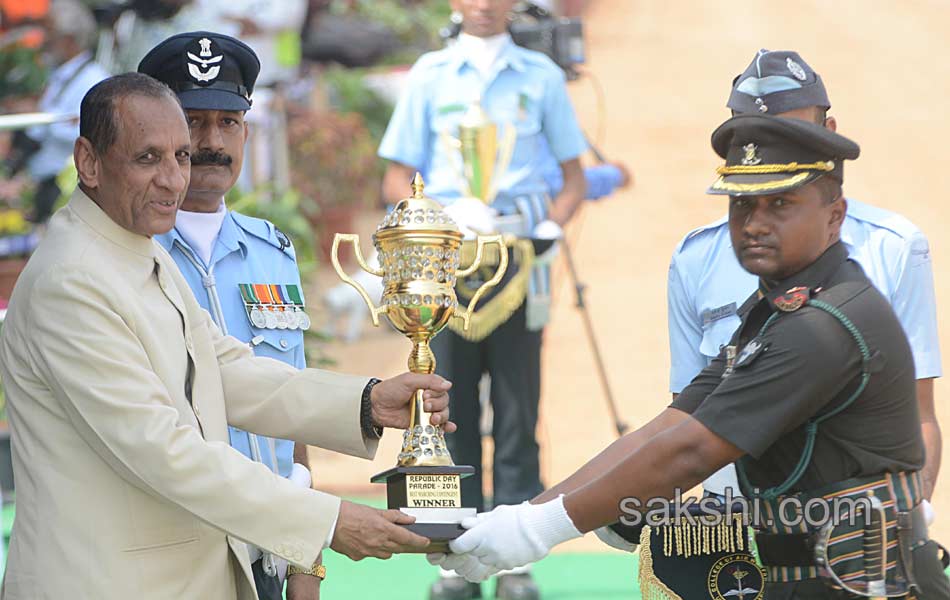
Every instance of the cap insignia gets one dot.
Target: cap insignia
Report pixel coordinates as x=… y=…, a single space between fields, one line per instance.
x=751 y=157
x=796 y=69
x=204 y=69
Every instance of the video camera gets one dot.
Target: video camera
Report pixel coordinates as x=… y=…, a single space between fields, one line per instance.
x=535 y=28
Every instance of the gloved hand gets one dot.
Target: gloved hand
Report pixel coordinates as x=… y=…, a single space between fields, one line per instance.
x=513 y=536
x=473 y=217
x=547 y=230
x=465 y=565
x=929 y=513
x=614 y=539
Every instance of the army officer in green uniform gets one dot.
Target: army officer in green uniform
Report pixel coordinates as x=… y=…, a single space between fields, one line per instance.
x=813 y=397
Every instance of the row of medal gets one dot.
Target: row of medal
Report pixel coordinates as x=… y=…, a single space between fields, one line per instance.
x=274 y=306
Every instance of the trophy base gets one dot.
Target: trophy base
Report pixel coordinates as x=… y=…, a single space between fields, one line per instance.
x=433 y=496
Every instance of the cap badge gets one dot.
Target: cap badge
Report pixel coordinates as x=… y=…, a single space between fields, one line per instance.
x=751 y=157
x=204 y=69
x=796 y=69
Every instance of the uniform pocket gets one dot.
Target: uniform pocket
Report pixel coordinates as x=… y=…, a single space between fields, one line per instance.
x=717 y=334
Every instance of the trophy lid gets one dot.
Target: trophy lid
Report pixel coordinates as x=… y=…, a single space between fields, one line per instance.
x=417 y=213
x=475 y=117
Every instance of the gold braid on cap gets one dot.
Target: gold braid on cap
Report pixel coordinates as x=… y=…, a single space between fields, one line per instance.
x=827 y=165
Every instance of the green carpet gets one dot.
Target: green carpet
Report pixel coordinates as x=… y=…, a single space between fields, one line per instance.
x=560 y=577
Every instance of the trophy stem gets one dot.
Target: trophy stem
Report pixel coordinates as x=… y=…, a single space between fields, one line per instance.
x=423 y=444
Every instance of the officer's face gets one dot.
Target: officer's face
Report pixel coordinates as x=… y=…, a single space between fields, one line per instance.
x=483 y=18
x=217 y=141
x=778 y=235
x=140 y=181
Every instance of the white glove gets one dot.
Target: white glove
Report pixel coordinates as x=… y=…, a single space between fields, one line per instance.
x=473 y=216
x=929 y=513
x=513 y=536
x=464 y=565
x=547 y=230
x=614 y=539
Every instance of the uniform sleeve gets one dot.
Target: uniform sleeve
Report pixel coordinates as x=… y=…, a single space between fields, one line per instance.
x=559 y=122
x=101 y=375
x=807 y=359
x=916 y=307
x=701 y=386
x=407 y=136
x=685 y=330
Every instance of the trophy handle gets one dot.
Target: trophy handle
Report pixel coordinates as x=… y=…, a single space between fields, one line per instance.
x=453 y=147
x=505 y=152
x=481 y=242
x=339 y=238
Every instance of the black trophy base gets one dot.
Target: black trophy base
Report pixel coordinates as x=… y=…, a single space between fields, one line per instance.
x=437 y=508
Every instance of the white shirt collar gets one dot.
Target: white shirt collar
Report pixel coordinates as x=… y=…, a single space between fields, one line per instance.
x=200 y=230
x=482 y=53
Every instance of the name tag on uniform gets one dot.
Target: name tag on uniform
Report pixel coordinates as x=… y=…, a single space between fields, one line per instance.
x=711 y=315
x=274 y=306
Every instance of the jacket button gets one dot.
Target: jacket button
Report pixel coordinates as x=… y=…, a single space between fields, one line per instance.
x=283 y=343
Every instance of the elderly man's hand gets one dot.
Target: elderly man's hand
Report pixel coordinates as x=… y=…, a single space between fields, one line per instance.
x=362 y=531
x=392 y=399
x=302 y=586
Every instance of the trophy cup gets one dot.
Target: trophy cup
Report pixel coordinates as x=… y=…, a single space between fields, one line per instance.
x=484 y=157
x=419 y=254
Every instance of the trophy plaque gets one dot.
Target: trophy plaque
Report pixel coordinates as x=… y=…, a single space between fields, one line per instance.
x=419 y=254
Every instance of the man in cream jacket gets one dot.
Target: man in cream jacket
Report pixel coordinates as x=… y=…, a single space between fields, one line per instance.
x=120 y=390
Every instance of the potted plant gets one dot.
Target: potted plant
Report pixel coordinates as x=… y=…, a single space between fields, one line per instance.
x=334 y=168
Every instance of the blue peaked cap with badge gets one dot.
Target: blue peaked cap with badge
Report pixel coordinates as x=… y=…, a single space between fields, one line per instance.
x=777 y=82
x=208 y=71
x=769 y=155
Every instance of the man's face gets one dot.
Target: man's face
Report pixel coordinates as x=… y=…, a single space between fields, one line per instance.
x=483 y=18
x=217 y=142
x=778 y=235
x=141 y=180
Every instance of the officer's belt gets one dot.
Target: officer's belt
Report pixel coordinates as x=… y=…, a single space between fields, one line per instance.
x=500 y=302
x=788 y=552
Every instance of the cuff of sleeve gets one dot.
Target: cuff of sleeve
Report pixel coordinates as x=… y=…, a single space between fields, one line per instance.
x=300 y=476
x=329 y=540
x=553 y=525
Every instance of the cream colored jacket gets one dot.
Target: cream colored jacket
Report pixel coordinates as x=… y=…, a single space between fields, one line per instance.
x=120 y=390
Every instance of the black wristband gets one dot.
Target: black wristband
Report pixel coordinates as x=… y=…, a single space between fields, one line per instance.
x=370 y=431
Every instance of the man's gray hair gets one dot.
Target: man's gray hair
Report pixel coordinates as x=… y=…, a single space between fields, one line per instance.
x=74 y=19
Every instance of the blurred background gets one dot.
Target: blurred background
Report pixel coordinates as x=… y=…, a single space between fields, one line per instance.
x=649 y=84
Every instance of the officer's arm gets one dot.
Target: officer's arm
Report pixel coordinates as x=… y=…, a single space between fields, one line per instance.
x=396 y=182
x=614 y=454
x=930 y=429
x=678 y=457
x=572 y=194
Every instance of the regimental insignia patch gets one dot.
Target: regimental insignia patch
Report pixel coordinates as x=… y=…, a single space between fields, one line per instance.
x=793 y=299
x=736 y=576
x=751 y=350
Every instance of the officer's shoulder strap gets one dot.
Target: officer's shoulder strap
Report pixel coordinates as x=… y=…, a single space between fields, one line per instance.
x=265 y=230
x=700 y=233
x=882 y=218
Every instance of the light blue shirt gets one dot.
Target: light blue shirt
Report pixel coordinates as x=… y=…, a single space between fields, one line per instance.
x=247 y=250
x=524 y=89
x=706 y=284
x=63 y=95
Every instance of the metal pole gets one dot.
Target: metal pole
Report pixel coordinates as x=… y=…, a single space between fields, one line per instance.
x=579 y=288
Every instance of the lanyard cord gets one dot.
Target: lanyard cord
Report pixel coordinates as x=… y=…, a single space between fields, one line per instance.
x=811 y=427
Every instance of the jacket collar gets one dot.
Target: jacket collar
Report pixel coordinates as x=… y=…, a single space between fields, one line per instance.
x=811 y=277
x=90 y=213
x=510 y=56
x=231 y=237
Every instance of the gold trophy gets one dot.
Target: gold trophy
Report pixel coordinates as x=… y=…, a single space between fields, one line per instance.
x=419 y=253
x=485 y=154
